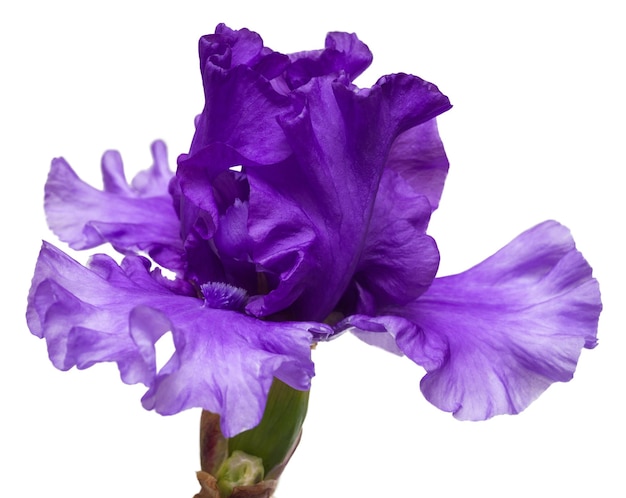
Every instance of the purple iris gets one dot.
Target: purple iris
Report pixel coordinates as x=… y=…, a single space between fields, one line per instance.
x=300 y=211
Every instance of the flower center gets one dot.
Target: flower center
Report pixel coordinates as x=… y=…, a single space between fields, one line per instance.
x=220 y=295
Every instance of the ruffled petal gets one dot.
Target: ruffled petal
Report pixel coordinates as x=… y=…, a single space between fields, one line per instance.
x=496 y=336
x=224 y=361
x=309 y=215
x=240 y=112
x=343 y=53
x=197 y=227
x=228 y=48
x=418 y=156
x=312 y=155
x=152 y=182
x=84 y=315
x=399 y=261
x=133 y=218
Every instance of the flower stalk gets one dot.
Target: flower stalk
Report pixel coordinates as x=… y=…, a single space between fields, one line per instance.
x=249 y=464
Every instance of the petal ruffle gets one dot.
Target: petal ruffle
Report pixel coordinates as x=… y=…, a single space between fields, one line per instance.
x=343 y=53
x=228 y=48
x=224 y=361
x=133 y=218
x=496 y=336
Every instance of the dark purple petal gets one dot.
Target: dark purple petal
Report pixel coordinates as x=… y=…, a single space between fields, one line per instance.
x=419 y=157
x=224 y=361
x=230 y=48
x=214 y=215
x=227 y=49
x=399 y=260
x=355 y=55
x=344 y=53
x=197 y=226
x=136 y=217
x=309 y=215
x=240 y=111
x=495 y=337
x=312 y=159
x=233 y=243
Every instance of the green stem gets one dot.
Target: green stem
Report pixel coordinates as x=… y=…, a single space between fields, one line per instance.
x=275 y=437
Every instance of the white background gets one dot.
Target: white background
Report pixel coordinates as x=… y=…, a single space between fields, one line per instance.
x=536 y=132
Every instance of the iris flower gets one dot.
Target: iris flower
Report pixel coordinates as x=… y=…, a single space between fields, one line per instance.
x=300 y=212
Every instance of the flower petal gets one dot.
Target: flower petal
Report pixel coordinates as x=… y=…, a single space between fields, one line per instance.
x=309 y=215
x=228 y=48
x=136 y=217
x=399 y=261
x=343 y=53
x=379 y=331
x=419 y=157
x=84 y=314
x=224 y=361
x=496 y=336
x=240 y=111
x=312 y=156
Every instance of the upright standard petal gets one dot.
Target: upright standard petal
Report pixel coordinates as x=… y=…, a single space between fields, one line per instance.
x=496 y=336
x=399 y=261
x=317 y=205
x=418 y=156
x=133 y=218
x=240 y=111
x=312 y=153
x=224 y=360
